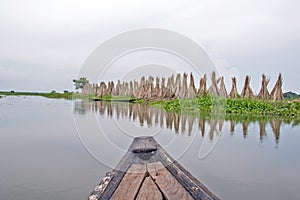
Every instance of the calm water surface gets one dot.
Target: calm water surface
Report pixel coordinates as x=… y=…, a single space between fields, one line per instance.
x=60 y=149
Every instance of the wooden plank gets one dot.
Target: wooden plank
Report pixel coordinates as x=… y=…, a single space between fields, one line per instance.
x=119 y=172
x=131 y=182
x=190 y=183
x=149 y=191
x=169 y=186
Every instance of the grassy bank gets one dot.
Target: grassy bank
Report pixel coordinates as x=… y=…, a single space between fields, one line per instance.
x=56 y=95
x=67 y=95
x=240 y=107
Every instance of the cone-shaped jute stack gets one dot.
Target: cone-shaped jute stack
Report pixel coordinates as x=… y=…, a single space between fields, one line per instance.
x=233 y=93
x=213 y=89
x=222 y=90
x=264 y=93
x=247 y=92
x=202 y=87
x=276 y=93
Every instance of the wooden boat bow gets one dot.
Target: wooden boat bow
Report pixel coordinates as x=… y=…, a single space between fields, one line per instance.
x=147 y=172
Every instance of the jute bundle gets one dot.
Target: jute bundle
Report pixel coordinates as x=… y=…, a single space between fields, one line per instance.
x=276 y=93
x=264 y=93
x=202 y=88
x=213 y=89
x=192 y=89
x=222 y=90
x=247 y=92
x=233 y=93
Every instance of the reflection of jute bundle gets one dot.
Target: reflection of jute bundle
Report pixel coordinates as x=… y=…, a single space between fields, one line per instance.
x=150 y=116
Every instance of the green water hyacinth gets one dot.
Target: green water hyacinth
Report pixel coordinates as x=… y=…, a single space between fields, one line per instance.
x=253 y=107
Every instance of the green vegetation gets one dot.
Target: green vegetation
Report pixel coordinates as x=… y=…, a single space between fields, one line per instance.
x=291 y=95
x=52 y=94
x=240 y=107
x=56 y=95
x=80 y=83
x=68 y=95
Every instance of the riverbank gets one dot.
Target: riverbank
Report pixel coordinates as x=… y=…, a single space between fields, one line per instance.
x=230 y=106
x=56 y=95
x=199 y=106
x=69 y=95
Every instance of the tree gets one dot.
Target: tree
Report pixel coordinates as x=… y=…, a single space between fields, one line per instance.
x=80 y=83
x=291 y=95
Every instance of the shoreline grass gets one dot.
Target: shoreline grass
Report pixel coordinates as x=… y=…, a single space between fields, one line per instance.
x=68 y=95
x=237 y=107
x=56 y=95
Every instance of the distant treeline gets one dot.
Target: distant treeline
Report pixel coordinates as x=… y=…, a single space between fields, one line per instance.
x=291 y=95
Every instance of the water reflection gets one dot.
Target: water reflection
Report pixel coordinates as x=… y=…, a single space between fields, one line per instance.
x=149 y=116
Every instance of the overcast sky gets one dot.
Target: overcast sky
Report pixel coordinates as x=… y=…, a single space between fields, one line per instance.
x=43 y=44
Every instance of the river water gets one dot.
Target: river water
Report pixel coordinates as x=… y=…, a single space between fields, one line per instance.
x=60 y=149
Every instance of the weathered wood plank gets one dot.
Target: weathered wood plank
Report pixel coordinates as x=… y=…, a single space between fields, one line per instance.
x=169 y=186
x=190 y=183
x=149 y=191
x=131 y=182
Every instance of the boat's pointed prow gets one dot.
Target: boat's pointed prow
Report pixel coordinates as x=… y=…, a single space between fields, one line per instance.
x=147 y=172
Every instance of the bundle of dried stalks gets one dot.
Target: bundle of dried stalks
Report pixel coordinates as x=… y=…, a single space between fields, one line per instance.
x=169 y=92
x=142 y=82
x=148 y=87
x=233 y=93
x=135 y=85
x=130 y=92
x=178 y=85
x=125 y=88
x=117 y=90
x=172 y=84
x=222 y=90
x=88 y=89
x=184 y=90
x=247 y=92
x=213 y=89
x=276 y=93
x=202 y=87
x=110 y=87
x=155 y=91
x=101 y=90
x=162 y=91
x=264 y=93
x=192 y=89
x=139 y=93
